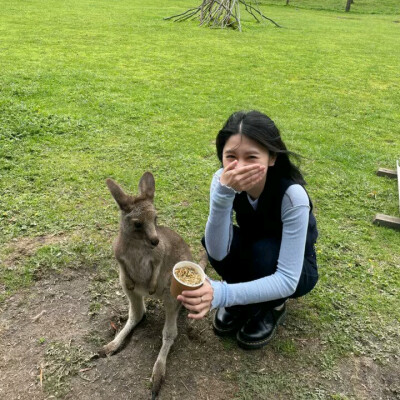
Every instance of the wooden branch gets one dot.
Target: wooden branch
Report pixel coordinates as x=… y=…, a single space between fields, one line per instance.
x=390 y=173
x=184 y=13
x=259 y=12
x=387 y=221
x=186 y=17
x=221 y=13
x=210 y=7
x=238 y=16
x=250 y=12
x=398 y=179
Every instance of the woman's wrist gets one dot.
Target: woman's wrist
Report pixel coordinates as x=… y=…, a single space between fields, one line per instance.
x=221 y=195
x=219 y=293
x=226 y=189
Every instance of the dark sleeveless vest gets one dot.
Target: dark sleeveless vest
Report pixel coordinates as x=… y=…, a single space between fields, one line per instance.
x=266 y=220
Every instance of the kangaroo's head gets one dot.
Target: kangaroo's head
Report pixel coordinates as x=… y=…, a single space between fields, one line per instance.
x=138 y=214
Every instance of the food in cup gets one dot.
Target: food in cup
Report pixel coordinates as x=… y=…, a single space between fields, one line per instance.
x=186 y=275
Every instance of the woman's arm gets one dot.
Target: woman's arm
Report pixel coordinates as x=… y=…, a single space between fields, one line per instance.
x=283 y=283
x=219 y=229
x=225 y=184
x=218 y=237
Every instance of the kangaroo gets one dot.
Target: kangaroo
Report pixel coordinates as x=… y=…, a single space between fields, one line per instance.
x=146 y=254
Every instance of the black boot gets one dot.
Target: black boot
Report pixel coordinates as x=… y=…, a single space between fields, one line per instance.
x=261 y=328
x=228 y=320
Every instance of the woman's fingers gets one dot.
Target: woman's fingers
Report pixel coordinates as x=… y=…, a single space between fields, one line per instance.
x=190 y=300
x=193 y=307
x=230 y=166
x=234 y=176
x=241 y=174
x=204 y=290
x=247 y=170
x=232 y=169
x=198 y=301
x=199 y=315
x=198 y=311
x=247 y=180
x=251 y=180
x=225 y=177
x=251 y=175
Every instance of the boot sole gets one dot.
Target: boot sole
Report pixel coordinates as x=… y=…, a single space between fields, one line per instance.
x=261 y=343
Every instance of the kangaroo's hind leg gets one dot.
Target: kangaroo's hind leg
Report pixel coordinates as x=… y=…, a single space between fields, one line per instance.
x=136 y=314
x=170 y=331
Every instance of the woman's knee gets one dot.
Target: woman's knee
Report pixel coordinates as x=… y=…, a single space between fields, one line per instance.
x=228 y=268
x=308 y=278
x=264 y=256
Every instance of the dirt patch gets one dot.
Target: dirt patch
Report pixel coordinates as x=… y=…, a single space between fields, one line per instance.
x=55 y=314
x=49 y=332
x=366 y=379
x=25 y=247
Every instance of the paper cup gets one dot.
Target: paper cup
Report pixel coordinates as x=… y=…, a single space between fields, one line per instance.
x=177 y=286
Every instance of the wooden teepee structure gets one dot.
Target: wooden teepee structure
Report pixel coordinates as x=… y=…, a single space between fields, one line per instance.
x=222 y=13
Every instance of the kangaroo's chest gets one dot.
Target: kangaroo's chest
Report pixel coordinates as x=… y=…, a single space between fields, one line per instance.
x=138 y=264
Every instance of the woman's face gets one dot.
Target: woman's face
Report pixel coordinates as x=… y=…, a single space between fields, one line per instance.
x=246 y=152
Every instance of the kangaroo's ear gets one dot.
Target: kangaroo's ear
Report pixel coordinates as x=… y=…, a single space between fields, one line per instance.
x=147 y=185
x=119 y=195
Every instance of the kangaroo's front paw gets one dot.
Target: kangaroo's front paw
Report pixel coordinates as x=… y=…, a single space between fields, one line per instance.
x=107 y=350
x=152 y=289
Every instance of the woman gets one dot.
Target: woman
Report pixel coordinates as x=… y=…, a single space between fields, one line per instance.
x=270 y=256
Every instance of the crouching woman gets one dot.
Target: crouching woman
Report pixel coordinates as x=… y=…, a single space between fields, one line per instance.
x=270 y=256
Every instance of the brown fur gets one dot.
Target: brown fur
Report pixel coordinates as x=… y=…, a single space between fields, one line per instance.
x=146 y=254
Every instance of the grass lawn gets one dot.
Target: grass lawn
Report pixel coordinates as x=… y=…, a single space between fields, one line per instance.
x=90 y=90
x=359 y=6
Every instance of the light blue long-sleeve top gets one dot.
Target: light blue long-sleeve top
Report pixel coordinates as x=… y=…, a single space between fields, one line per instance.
x=219 y=231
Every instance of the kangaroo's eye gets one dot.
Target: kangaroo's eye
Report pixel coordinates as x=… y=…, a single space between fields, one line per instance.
x=138 y=225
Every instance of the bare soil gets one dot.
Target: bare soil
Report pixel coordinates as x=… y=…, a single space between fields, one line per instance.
x=58 y=309
x=25 y=247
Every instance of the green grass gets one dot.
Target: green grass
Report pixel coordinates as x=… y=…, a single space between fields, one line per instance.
x=62 y=361
x=359 y=6
x=91 y=90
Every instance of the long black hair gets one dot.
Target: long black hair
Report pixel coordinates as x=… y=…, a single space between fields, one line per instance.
x=260 y=128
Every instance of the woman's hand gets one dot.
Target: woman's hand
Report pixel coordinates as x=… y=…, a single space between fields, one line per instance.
x=198 y=300
x=242 y=179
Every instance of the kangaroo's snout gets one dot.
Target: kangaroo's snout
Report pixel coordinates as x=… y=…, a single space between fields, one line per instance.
x=154 y=242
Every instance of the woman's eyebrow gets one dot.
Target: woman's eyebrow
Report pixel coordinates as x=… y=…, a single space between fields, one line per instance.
x=233 y=151
x=252 y=152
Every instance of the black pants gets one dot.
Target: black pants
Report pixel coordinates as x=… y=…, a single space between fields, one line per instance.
x=253 y=259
